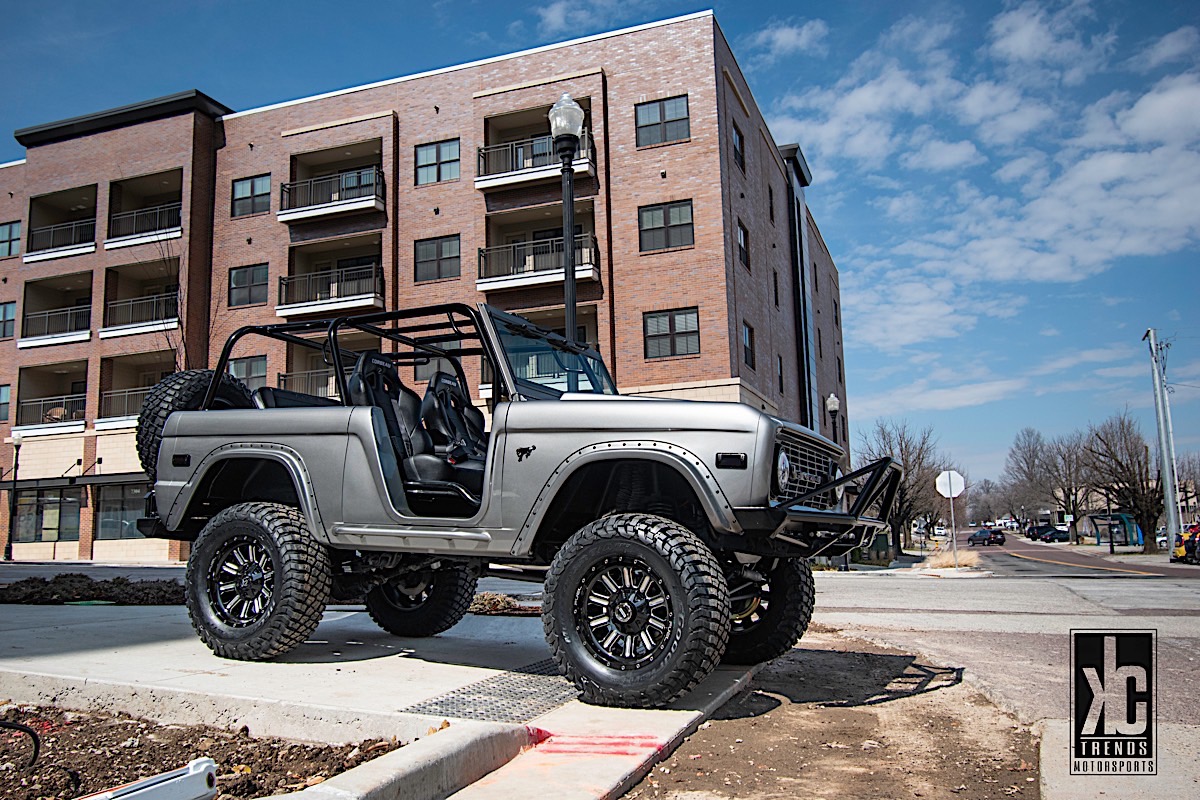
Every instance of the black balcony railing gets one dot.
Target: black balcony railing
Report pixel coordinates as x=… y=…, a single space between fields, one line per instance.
x=353 y=185
x=123 y=402
x=141 y=310
x=331 y=284
x=66 y=234
x=543 y=255
x=60 y=320
x=318 y=381
x=145 y=220
x=67 y=408
x=537 y=151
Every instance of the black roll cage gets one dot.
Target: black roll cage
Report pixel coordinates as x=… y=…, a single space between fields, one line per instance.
x=429 y=327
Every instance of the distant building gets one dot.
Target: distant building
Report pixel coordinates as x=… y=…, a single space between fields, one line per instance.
x=134 y=240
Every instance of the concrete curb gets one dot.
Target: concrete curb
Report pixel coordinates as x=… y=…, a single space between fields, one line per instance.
x=428 y=769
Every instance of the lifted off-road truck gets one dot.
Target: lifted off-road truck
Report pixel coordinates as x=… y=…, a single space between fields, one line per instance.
x=669 y=535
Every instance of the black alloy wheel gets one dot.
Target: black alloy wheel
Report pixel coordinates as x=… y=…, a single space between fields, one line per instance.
x=241 y=581
x=624 y=613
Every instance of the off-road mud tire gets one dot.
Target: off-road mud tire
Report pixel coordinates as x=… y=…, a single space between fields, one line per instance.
x=294 y=593
x=181 y=391
x=673 y=563
x=441 y=601
x=778 y=617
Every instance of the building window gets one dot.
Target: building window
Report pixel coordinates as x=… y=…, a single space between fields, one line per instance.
x=424 y=372
x=743 y=245
x=48 y=515
x=5 y=396
x=836 y=318
x=841 y=375
x=665 y=226
x=662 y=121
x=437 y=162
x=248 y=285
x=779 y=360
x=251 y=371
x=739 y=147
x=771 y=202
x=672 y=333
x=815 y=274
x=775 y=286
x=437 y=258
x=252 y=195
x=8 y=317
x=820 y=350
x=748 y=344
x=10 y=239
x=118 y=509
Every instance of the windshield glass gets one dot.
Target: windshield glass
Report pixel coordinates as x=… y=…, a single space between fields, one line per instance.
x=539 y=357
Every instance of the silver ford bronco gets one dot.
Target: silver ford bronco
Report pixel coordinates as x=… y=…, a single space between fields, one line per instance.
x=669 y=535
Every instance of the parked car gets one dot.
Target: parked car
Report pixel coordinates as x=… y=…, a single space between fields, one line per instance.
x=983 y=537
x=1187 y=546
x=1054 y=535
x=1035 y=532
x=996 y=537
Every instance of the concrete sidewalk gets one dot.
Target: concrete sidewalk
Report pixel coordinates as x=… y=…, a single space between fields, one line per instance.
x=490 y=677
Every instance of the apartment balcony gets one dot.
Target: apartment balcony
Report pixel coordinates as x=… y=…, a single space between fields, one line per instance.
x=530 y=160
x=319 y=382
x=144 y=225
x=123 y=403
x=60 y=240
x=56 y=326
x=536 y=263
x=358 y=287
x=353 y=191
x=140 y=315
x=62 y=410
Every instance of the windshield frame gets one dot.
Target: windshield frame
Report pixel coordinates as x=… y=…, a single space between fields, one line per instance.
x=594 y=371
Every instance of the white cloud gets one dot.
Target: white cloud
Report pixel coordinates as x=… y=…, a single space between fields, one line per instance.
x=1050 y=332
x=921 y=396
x=1069 y=361
x=1040 y=45
x=938 y=155
x=578 y=17
x=1169 y=113
x=1178 y=45
x=778 y=40
x=906 y=207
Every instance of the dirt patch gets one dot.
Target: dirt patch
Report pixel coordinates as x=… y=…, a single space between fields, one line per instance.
x=73 y=587
x=89 y=752
x=839 y=718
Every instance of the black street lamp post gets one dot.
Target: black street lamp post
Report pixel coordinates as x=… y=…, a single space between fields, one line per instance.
x=566 y=126
x=12 y=497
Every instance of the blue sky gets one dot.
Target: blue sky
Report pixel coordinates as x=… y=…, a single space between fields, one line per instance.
x=1011 y=190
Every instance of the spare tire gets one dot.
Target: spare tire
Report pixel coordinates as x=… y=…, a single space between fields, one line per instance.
x=181 y=391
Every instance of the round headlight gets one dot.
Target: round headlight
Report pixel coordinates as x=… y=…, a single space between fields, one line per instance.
x=839 y=494
x=783 y=471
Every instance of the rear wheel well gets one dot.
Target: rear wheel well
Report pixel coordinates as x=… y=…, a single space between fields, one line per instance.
x=241 y=480
x=619 y=486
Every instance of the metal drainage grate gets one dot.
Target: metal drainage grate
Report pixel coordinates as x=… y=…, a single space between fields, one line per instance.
x=517 y=696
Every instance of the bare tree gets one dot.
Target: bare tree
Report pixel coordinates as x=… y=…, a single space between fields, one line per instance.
x=1025 y=471
x=1067 y=475
x=1187 y=471
x=983 y=501
x=1121 y=467
x=916 y=450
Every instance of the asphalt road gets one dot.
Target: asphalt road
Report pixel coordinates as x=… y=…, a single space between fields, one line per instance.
x=1019 y=557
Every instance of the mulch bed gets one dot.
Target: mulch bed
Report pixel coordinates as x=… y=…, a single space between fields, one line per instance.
x=73 y=587
x=85 y=752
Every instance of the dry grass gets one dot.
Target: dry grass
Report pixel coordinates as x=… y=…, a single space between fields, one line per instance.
x=945 y=560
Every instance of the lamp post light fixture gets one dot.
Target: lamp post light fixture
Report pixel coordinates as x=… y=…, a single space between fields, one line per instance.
x=566 y=127
x=12 y=497
x=833 y=405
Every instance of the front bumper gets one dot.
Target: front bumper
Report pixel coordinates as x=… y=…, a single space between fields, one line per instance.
x=792 y=528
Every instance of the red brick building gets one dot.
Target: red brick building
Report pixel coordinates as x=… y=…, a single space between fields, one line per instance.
x=133 y=241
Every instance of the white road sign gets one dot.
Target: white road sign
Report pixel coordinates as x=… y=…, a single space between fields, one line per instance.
x=950 y=484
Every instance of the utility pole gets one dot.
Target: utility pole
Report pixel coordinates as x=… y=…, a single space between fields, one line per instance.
x=1166 y=443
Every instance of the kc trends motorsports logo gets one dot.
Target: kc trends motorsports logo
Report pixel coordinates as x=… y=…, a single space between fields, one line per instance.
x=1112 y=702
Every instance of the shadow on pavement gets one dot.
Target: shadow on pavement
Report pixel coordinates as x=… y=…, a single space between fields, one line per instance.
x=842 y=679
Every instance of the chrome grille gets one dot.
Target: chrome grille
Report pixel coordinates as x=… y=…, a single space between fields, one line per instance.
x=811 y=467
